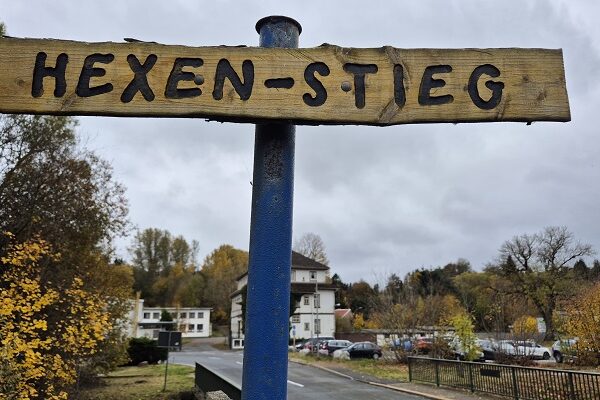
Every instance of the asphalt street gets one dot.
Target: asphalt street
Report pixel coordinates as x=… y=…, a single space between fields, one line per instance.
x=304 y=382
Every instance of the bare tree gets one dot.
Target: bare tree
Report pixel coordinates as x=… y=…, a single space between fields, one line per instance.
x=311 y=245
x=540 y=268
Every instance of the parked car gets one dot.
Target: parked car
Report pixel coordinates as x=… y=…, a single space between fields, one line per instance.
x=564 y=349
x=459 y=352
x=424 y=345
x=487 y=348
x=299 y=345
x=313 y=343
x=529 y=348
x=329 y=346
x=403 y=344
x=505 y=347
x=361 y=350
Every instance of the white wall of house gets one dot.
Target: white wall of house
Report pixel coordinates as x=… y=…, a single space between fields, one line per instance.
x=309 y=316
x=307 y=276
x=237 y=337
x=193 y=322
x=305 y=317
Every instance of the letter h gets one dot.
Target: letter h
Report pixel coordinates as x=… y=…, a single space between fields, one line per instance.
x=58 y=73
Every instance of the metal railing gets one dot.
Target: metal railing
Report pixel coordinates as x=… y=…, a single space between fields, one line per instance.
x=519 y=383
x=208 y=381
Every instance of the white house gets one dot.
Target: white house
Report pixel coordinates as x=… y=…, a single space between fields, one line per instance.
x=315 y=302
x=193 y=322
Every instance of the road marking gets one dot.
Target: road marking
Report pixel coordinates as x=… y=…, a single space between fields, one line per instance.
x=215 y=358
x=239 y=363
x=296 y=384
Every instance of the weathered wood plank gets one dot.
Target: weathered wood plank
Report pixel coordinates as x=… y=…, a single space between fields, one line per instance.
x=323 y=85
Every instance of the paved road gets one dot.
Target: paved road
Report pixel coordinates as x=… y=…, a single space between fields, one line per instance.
x=304 y=382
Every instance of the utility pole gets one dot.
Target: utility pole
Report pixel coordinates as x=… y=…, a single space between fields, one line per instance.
x=270 y=259
x=317 y=306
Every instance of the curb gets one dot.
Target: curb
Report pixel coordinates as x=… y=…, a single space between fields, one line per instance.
x=383 y=385
x=427 y=395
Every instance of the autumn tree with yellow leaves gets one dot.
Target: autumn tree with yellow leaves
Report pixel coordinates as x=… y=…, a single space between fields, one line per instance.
x=45 y=332
x=525 y=327
x=61 y=299
x=582 y=320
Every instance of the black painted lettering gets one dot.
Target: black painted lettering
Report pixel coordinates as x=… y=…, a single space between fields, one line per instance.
x=177 y=75
x=495 y=87
x=309 y=76
x=140 y=78
x=40 y=71
x=279 y=83
x=399 y=90
x=428 y=83
x=359 y=71
x=88 y=71
x=225 y=70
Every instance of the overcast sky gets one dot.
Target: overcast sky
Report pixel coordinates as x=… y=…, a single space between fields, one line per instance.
x=383 y=199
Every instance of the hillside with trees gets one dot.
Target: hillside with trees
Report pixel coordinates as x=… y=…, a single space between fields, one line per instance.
x=534 y=275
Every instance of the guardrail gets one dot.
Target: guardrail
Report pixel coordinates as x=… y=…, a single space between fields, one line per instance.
x=208 y=381
x=519 y=383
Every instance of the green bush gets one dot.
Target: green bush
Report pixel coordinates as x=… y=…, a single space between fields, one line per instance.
x=145 y=349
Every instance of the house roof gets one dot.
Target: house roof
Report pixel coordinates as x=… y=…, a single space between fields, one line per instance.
x=343 y=313
x=301 y=262
x=299 y=288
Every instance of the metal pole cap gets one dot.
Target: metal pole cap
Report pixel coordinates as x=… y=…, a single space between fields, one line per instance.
x=274 y=19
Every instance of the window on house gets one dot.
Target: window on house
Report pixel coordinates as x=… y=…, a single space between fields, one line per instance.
x=293 y=275
x=313 y=275
x=306 y=300
x=182 y=315
x=200 y=315
x=317 y=300
x=146 y=315
x=191 y=328
x=317 y=326
x=155 y=315
x=307 y=326
x=192 y=315
x=200 y=327
x=295 y=319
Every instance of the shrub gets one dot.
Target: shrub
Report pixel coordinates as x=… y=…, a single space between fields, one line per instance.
x=510 y=359
x=145 y=349
x=465 y=335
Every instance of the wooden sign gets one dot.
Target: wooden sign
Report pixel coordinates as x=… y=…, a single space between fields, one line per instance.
x=323 y=85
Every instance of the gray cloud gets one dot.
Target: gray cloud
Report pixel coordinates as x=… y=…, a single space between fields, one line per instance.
x=383 y=199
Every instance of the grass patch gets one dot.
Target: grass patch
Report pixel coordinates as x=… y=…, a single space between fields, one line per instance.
x=380 y=369
x=142 y=383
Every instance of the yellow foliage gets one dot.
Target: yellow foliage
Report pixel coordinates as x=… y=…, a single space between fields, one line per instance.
x=525 y=326
x=465 y=333
x=583 y=319
x=45 y=331
x=372 y=324
x=359 y=322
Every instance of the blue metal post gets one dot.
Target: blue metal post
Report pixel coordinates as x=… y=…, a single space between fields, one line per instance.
x=268 y=298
